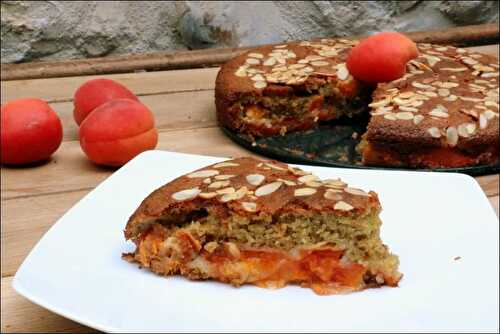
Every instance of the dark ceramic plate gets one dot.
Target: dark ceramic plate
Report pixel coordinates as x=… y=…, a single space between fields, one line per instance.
x=331 y=144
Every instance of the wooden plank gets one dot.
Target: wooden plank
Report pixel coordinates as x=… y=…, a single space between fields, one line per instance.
x=494 y=203
x=19 y=315
x=147 y=83
x=22 y=228
x=63 y=89
x=183 y=110
x=69 y=170
x=468 y=35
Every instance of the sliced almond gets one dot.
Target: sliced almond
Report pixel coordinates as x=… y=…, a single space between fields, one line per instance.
x=256 y=55
x=252 y=61
x=273 y=166
x=471 y=128
x=469 y=99
x=333 y=194
x=443 y=92
x=439 y=113
x=241 y=72
x=342 y=72
x=379 y=103
x=232 y=249
x=225 y=164
x=356 y=191
x=224 y=177
x=210 y=246
x=260 y=84
x=410 y=109
x=319 y=63
x=335 y=183
x=313 y=184
x=258 y=77
x=483 y=121
x=240 y=193
x=207 y=180
x=228 y=190
x=420 y=86
x=491 y=104
x=417 y=119
x=390 y=116
x=343 y=206
x=208 y=195
x=255 y=179
x=489 y=114
x=434 y=132
x=268 y=188
x=218 y=184
x=203 y=173
x=404 y=115
x=288 y=182
x=249 y=206
x=186 y=194
x=451 y=98
x=304 y=192
x=453 y=69
x=452 y=136
x=307 y=178
x=401 y=102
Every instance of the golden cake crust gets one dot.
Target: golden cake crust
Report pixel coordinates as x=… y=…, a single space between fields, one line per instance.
x=448 y=98
x=250 y=187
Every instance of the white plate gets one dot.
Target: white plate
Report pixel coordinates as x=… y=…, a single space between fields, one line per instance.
x=429 y=219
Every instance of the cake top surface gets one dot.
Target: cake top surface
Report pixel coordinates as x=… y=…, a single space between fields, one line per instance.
x=448 y=97
x=249 y=186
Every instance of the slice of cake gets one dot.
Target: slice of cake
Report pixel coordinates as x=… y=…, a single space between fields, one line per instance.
x=264 y=223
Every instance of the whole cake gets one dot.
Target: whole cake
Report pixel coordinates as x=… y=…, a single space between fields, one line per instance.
x=264 y=223
x=442 y=113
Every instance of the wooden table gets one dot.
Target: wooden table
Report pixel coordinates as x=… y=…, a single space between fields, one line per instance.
x=33 y=198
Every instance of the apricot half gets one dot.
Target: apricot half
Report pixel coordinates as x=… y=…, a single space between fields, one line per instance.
x=117 y=131
x=381 y=57
x=96 y=92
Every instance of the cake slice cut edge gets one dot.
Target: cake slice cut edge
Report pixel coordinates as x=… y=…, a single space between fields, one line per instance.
x=250 y=221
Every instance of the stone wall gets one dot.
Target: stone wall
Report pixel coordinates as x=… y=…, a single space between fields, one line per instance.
x=43 y=30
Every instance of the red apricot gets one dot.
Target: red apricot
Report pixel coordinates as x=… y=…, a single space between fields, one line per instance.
x=117 y=131
x=94 y=93
x=30 y=131
x=381 y=57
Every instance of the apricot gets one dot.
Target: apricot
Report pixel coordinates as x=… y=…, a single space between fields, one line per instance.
x=30 y=131
x=381 y=57
x=117 y=131
x=96 y=92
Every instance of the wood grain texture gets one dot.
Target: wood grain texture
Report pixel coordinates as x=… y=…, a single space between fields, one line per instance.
x=19 y=315
x=147 y=83
x=69 y=169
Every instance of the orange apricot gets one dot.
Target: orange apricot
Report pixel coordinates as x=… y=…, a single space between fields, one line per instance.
x=30 y=131
x=117 y=131
x=381 y=57
x=94 y=93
